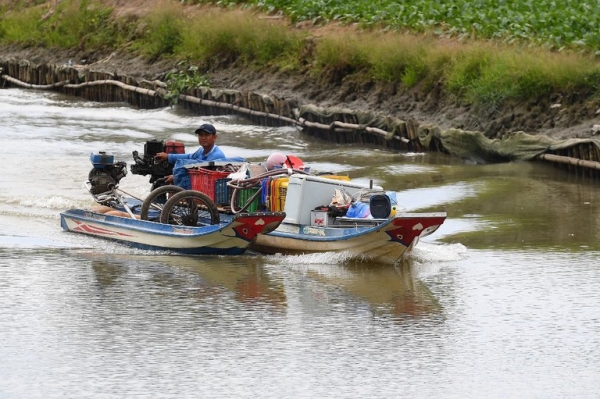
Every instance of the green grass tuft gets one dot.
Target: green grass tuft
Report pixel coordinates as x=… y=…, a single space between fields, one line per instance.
x=163 y=32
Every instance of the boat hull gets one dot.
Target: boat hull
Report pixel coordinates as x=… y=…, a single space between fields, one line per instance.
x=230 y=238
x=387 y=242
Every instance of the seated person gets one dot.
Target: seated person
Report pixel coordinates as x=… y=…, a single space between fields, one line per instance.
x=208 y=151
x=107 y=210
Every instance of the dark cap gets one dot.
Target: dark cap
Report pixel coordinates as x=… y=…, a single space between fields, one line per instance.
x=207 y=127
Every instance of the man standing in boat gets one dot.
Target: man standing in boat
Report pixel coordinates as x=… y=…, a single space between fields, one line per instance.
x=209 y=151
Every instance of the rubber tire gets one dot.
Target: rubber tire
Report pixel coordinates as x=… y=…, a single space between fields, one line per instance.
x=151 y=198
x=189 y=203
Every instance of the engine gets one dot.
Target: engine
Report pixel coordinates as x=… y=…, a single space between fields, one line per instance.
x=147 y=165
x=106 y=173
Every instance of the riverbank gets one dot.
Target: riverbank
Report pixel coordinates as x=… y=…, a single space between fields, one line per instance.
x=558 y=121
x=559 y=115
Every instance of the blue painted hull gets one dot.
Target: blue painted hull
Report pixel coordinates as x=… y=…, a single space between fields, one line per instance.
x=387 y=241
x=228 y=238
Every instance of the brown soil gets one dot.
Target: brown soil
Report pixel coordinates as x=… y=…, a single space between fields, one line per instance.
x=565 y=116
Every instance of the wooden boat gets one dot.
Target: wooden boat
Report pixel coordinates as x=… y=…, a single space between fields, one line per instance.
x=231 y=237
x=295 y=215
x=386 y=241
x=382 y=233
x=385 y=235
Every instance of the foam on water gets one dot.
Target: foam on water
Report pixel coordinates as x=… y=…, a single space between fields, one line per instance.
x=307 y=262
x=324 y=264
x=422 y=253
x=12 y=242
x=425 y=252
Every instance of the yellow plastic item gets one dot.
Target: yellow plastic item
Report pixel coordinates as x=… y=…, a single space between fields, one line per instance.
x=335 y=177
x=278 y=193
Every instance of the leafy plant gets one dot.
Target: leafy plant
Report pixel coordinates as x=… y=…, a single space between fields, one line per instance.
x=545 y=22
x=181 y=80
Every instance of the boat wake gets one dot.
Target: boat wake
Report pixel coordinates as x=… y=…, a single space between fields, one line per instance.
x=321 y=258
x=426 y=253
x=14 y=242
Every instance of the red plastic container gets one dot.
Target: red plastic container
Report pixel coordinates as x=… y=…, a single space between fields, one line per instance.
x=205 y=180
x=174 y=147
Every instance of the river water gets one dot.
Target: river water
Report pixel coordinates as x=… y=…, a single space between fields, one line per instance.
x=502 y=301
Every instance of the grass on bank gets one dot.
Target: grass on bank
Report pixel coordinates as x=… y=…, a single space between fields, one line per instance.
x=237 y=36
x=486 y=74
x=71 y=24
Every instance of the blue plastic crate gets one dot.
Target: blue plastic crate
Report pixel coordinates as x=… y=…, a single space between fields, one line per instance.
x=223 y=193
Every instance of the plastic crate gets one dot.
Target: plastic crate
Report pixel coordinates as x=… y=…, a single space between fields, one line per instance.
x=243 y=196
x=264 y=196
x=204 y=180
x=278 y=193
x=223 y=192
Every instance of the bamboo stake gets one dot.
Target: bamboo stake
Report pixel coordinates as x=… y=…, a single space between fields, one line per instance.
x=570 y=161
x=252 y=99
x=31 y=86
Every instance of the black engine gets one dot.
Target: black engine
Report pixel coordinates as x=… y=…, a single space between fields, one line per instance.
x=106 y=174
x=147 y=165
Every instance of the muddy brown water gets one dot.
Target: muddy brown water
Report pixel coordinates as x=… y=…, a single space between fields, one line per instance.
x=502 y=301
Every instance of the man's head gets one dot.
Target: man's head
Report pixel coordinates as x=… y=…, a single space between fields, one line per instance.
x=206 y=128
x=207 y=136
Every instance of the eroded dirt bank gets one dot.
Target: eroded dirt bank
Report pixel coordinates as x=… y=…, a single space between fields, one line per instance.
x=561 y=117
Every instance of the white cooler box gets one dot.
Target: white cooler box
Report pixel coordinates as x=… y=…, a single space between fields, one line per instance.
x=305 y=193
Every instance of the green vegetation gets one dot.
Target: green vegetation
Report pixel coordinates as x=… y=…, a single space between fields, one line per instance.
x=240 y=37
x=544 y=22
x=163 y=31
x=22 y=26
x=183 y=79
x=535 y=49
x=72 y=24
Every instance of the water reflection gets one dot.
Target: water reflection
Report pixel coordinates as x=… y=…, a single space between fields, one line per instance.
x=246 y=277
x=106 y=272
x=194 y=277
x=394 y=292
x=260 y=282
x=522 y=211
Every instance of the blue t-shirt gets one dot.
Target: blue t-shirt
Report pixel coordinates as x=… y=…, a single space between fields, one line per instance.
x=181 y=177
x=214 y=154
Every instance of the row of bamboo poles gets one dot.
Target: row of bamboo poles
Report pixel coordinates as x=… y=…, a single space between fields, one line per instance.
x=332 y=125
x=582 y=159
x=265 y=110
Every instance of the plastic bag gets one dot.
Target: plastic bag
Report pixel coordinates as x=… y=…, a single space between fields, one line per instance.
x=241 y=174
x=359 y=210
x=340 y=199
